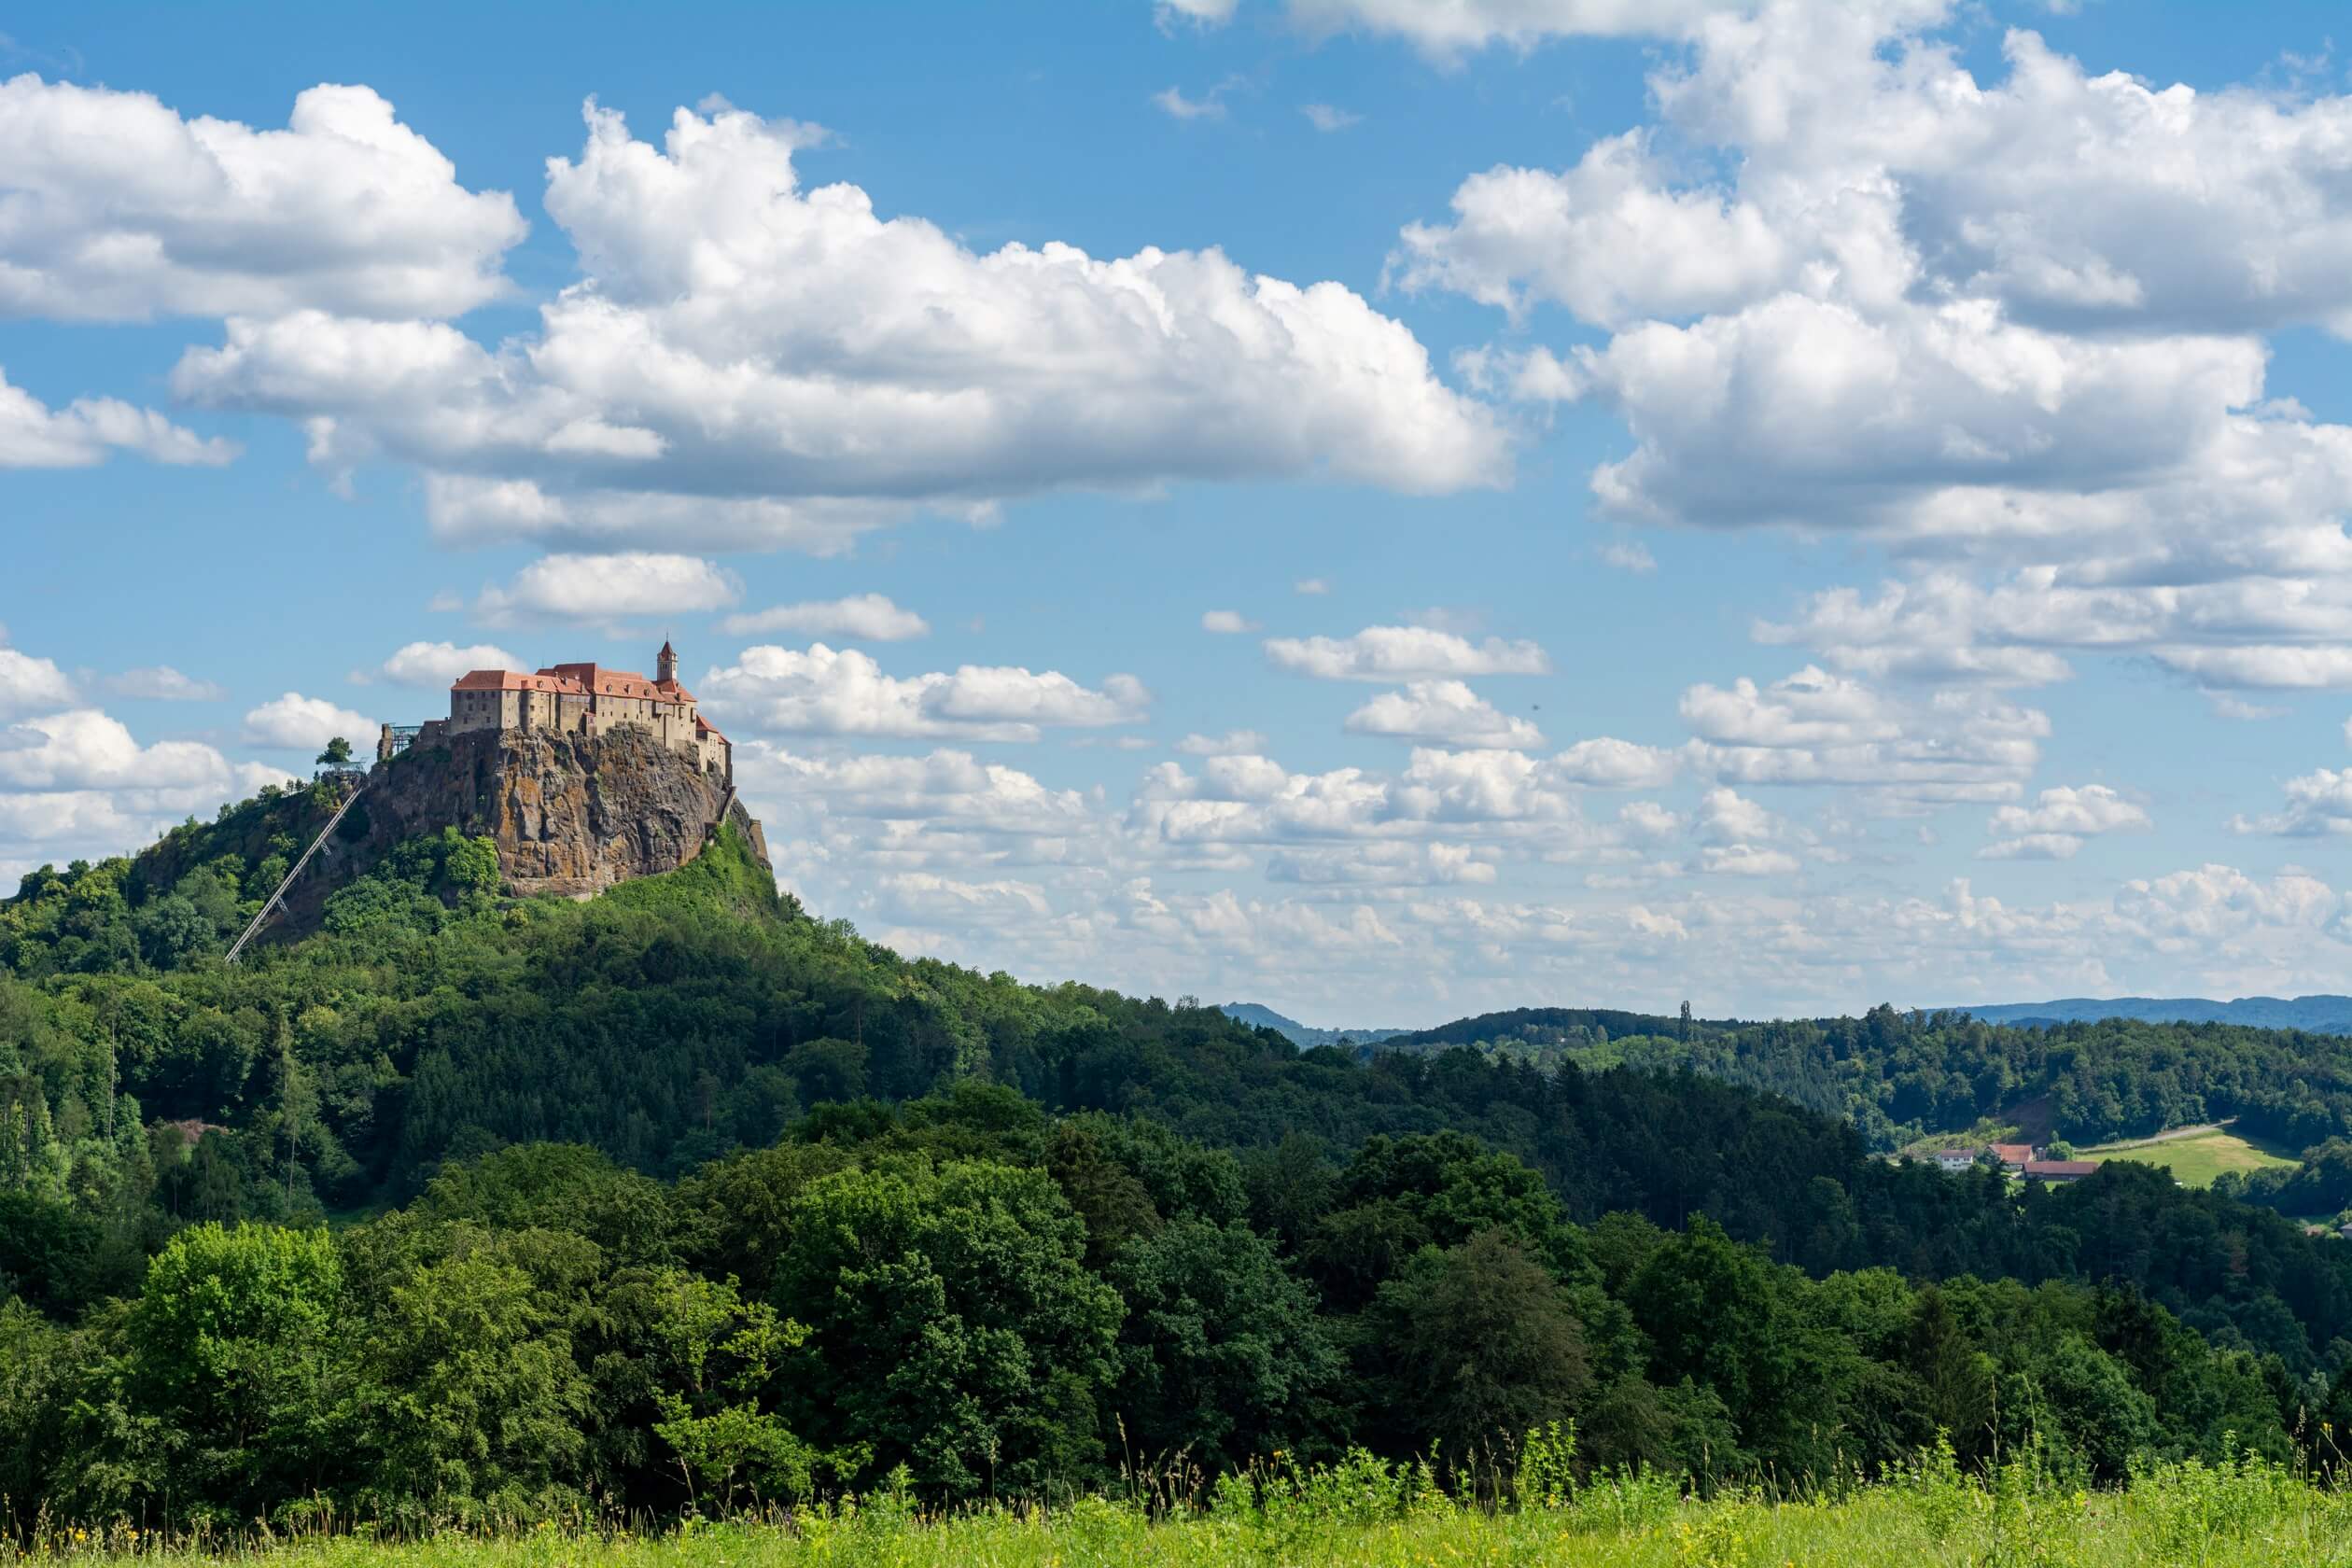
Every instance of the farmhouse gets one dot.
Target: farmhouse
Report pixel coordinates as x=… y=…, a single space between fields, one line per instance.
x=2059 y=1170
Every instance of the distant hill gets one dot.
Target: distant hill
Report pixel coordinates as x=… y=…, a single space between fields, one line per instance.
x=1553 y=1025
x=1260 y=1016
x=2314 y=1014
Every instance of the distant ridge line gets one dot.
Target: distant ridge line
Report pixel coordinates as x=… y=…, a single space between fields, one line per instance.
x=2319 y=1013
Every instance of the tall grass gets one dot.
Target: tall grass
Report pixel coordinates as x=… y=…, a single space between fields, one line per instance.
x=1361 y=1511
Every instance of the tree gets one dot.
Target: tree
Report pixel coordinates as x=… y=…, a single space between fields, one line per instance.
x=237 y=1343
x=1222 y=1356
x=338 y=753
x=1481 y=1347
x=953 y=1328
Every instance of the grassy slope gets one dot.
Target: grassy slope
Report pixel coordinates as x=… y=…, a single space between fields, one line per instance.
x=2194 y=1162
x=2200 y=1517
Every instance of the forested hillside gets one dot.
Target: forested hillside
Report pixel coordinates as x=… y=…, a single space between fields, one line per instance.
x=681 y=1192
x=1901 y=1076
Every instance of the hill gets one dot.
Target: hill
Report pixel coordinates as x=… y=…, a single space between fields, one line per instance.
x=2315 y=1014
x=1302 y=1035
x=679 y=1190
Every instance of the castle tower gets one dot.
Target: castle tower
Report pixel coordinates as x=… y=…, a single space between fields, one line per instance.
x=665 y=666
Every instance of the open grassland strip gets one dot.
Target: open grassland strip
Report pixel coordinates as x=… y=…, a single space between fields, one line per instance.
x=2217 y=1518
x=2196 y=1161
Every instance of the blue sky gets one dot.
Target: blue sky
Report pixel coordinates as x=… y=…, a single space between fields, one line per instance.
x=1802 y=504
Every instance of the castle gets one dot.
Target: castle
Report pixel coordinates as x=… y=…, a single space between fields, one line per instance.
x=581 y=699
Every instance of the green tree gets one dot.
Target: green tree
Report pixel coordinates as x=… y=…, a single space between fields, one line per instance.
x=1221 y=1354
x=337 y=754
x=953 y=1327
x=1480 y=1346
x=237 y=1346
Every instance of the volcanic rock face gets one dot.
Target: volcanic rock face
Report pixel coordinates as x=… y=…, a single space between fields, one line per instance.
x=572 y=815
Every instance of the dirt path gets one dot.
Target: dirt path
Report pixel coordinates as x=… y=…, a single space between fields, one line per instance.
x=2171 y=1136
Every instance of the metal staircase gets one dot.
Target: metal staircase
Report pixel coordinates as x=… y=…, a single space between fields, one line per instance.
x=271 y=908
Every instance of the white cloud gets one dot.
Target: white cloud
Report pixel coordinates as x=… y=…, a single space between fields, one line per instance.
x=1745 y=860
x=1442 y=713
x=438 y=664
x=747 y=360
x=609 y=587
x=1226 y=621
x=1172 y=102
x=1635 y=557
x=2032 y=846
x=1199 y=13
x=2093 y=808
x=1728 y=817
x=2318 y=804
x=115 y=208
x=297 y=723
x=2010 y=326
x=1311 y=586
x=1817 y=728
x=28 y=684
x=89 y=430
x=866 y=617
x=155 y=683
x=1231 y=743
x=1326 y=118
x=782 y=690
x=1446 y=32
x=1404 y=653
x=83 y=749
x=1609 y=763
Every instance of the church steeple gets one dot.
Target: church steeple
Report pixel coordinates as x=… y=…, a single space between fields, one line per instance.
x=665 y=666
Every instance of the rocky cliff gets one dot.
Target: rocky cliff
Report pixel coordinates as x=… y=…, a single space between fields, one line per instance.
x=570 y=814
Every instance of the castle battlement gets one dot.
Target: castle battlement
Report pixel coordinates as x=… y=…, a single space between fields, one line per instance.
x=586 y=699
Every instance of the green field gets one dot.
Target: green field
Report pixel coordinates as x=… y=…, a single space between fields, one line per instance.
x=1363 y=1514
x=2196 y=1161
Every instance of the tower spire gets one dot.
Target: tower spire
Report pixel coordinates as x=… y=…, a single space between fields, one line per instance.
x=665 y=664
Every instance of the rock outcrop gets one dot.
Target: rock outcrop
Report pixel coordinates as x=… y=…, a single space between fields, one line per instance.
x=572 y=815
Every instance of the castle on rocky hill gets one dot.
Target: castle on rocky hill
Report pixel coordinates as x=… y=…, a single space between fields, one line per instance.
x=577 y=699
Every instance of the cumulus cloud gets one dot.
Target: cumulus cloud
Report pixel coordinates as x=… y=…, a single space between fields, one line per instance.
x=296 y=723
x=1231 y=743
x=2319 y=806
x=1326 y=118
x=1609 y=763
x=1632 y=557
x=2011 y=326
x=438 y=664
x=115 y=208
x=751 y=360
x=2032 y=846
x=1443 y=713
x=28 y=684
x=155 y=683
x=609 y=587
x=866 y=617
x=89 y=430
x=84 y=749
x=1171 y=102
x=1447 y=32
x=1226 y=621
x=1404 y=653
x=1813 y=727
x=823 y=691
x=1312 y=585
x=2093 y=808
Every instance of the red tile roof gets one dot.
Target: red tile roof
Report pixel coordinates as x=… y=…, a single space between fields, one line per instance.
x=515 y=680
x=705 y=727
x=2060 y=1167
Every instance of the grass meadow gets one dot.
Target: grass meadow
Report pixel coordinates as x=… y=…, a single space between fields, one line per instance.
x=1362 y=1513
x=2196 y=1161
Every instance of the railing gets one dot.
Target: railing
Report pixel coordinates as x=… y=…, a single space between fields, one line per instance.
x=276 y=898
